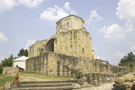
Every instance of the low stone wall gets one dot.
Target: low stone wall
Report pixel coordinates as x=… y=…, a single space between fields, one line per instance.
x=63 y=65
x=10 y=70
x=95 y=71
x=97 y=79
x=127 y=64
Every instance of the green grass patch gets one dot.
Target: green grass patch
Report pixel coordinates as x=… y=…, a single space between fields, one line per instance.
x=42 y=76
x=4 y=79
x=124 y=67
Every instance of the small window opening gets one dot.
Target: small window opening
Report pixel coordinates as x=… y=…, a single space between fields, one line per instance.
x=83 y=50
x=67 y=24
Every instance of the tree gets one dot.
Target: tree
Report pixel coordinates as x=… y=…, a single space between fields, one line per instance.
x=130 y=57
x=131 y=66
x=6 y=63
x=26 y=52
x=0 y=68
x=23 y=52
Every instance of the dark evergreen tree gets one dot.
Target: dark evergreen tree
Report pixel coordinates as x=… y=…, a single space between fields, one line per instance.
x=23 y=52
x=26 y=52
x=130 y=57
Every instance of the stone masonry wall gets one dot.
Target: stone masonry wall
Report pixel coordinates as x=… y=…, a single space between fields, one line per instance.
x=75 y=43
x=63 y=65
x=95 y=71
x=36 y=49
x=10 y=70
x=70 y=22
x=127 y=64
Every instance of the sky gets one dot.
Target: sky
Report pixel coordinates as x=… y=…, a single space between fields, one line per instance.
x=110 y=23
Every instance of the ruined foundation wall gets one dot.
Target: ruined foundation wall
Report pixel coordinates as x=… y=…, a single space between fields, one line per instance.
x=95 y=71
x=63 y=65
x=127 y=64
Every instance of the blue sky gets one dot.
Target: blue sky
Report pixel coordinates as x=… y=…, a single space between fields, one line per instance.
x=110 y=23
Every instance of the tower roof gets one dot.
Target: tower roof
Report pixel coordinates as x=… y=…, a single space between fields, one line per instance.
x=70 y=16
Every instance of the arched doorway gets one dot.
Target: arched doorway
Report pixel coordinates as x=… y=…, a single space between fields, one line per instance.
x=50 y=45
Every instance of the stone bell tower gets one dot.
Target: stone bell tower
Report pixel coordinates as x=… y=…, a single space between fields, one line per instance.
x=72 y=38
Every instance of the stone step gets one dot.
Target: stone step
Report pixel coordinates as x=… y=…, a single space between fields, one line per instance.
x=45 y=88
x=44 y=85
x=39 y=82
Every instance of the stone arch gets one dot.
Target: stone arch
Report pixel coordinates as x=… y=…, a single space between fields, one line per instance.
x=49 y=46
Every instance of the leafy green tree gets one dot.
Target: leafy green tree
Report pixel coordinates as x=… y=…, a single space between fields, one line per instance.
x=6 y=63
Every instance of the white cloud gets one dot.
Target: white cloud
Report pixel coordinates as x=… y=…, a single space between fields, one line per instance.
x=52 y=14
x=29 y=43
x=6 y=5
x=94 y=17
x=126 y=9
x=2 y=37
x=56 y=13
x=66 y=6
x=9 y=4
x=68 y=9
x=30 y=3
x=126 y=13
x=113 y=32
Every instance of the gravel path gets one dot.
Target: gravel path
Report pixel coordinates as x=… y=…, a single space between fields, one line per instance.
x=32 y=78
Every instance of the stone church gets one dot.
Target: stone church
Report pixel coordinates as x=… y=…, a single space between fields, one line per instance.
x=66 y=52
x=71 y=39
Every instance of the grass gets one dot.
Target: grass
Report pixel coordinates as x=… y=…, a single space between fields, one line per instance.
x=4 y=79
x=38 y=75
x=124 y=67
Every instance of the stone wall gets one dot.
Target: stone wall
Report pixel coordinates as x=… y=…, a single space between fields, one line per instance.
x=127 y=64
x=36 y=49
x=10 y=70
x=74 y=43
x=63 y=65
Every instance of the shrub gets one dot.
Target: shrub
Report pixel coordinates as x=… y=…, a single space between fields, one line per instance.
x=79 y=75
